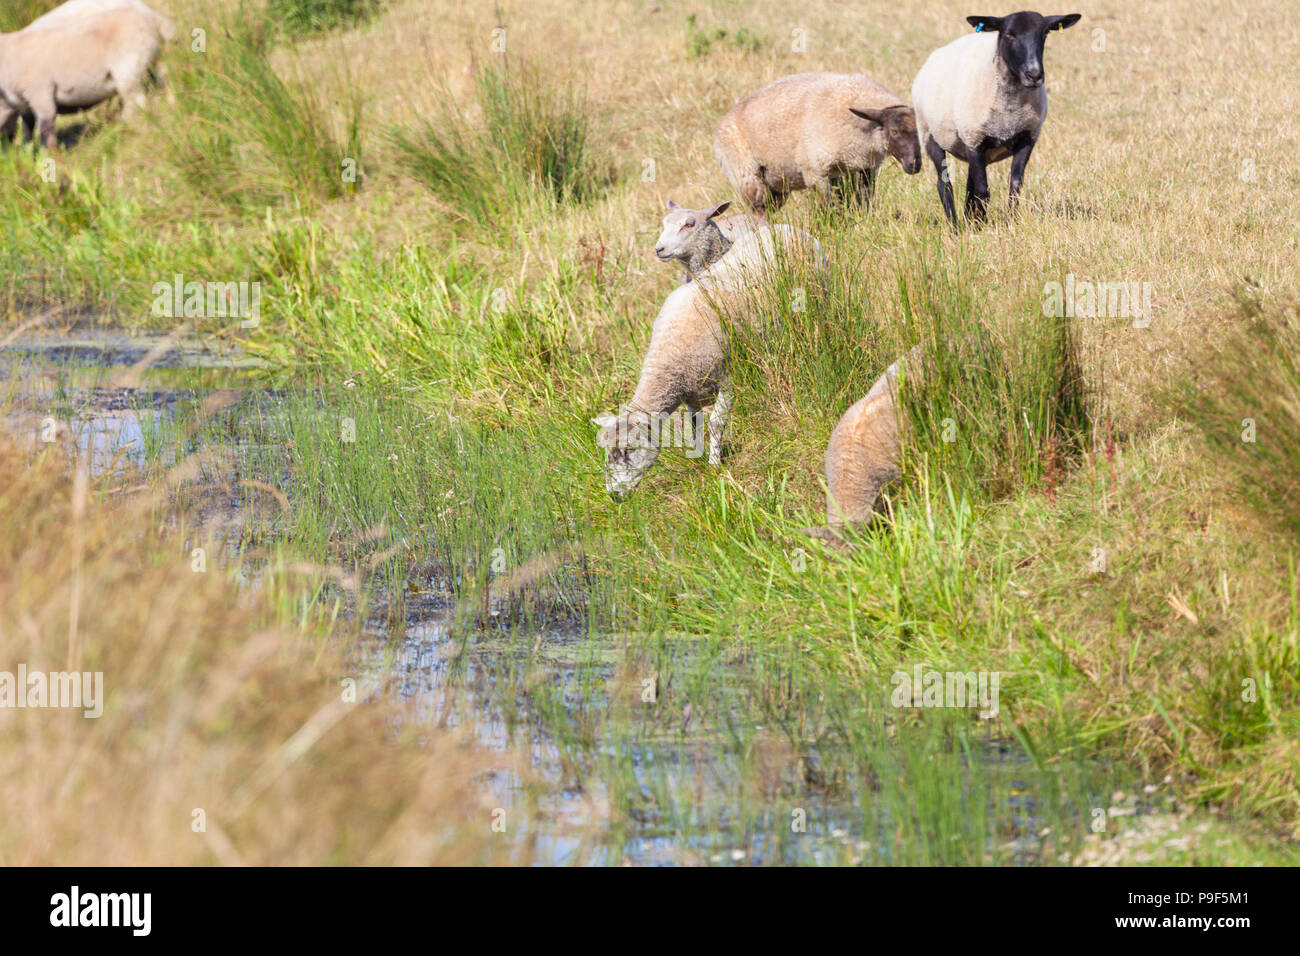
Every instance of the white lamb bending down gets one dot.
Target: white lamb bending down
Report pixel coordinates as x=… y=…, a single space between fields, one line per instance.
x=75 y=62
x=981 y=99
x=686 y=361
x=863 y=457
x=697 y=239
x=814 y=131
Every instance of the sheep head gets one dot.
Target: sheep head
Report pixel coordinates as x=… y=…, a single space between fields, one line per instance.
x=1020 y=40
x=899 y=123
x=630 y=449
x=688 y=232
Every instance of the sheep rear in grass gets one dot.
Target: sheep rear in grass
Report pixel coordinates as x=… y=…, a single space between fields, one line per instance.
x=982 y=99
x=75 y=63
x=821 y=131
x=686 y=361
x=864 y=454
x=697 y=238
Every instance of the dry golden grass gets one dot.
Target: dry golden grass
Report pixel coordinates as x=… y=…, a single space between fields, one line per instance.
x=210 y=705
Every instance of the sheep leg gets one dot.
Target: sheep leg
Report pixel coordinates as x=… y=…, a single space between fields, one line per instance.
x=754 y=189
x=44 y=121
x=977 y=189
x=132 y=100
x=824 y=188
x=43 y=110
x=717 y=422
x=8 y=122
x=865 y=181
x=1019 y=160
x=29 y=127
x=696 y=447
x=940 y=160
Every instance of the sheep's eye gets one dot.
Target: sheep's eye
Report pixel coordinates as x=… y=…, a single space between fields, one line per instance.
x=689 y=224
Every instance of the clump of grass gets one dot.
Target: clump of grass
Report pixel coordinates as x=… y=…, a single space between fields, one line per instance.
x=1246 y=401
x=1001 y=403
x=699 y=41
x=533 y=144
x=247 y=137
x=304 y=17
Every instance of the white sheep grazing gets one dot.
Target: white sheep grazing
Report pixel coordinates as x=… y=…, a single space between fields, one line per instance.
x=686 y=361
x=814 y=131
x=76 y=63
x=981 y=98
x=697 y=239
x=864 y=453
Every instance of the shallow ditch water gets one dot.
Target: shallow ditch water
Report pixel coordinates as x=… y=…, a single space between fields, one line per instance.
x=698 y=766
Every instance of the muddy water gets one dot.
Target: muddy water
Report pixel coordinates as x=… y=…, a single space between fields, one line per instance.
x=604 y=776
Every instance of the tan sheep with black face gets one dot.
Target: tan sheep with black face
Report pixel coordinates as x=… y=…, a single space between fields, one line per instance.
x=814 y=131
x=981 y=99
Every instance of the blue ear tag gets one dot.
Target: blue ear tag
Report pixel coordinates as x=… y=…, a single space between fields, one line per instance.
x=979 y=27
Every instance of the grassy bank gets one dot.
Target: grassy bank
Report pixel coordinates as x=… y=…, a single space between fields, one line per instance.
x=453 y=246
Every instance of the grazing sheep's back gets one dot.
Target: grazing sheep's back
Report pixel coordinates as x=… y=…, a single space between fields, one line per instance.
x=753 y=257
x=861 y=460
x=684 y=360
x=75 y=64
x=733 y=227
x=75 y=57
x=864 y=452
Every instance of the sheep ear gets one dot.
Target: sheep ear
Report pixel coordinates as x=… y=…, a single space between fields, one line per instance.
x=717 y=210
x=872 y=116
x=986 y=24
x=1061 y=22
x=672 y=205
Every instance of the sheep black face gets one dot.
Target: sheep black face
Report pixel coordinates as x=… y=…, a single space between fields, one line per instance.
x=899 y=123
x=1020 y=40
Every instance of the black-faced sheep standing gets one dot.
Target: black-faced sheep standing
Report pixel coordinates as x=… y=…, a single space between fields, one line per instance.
x=981 y=99
x=816 y=131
